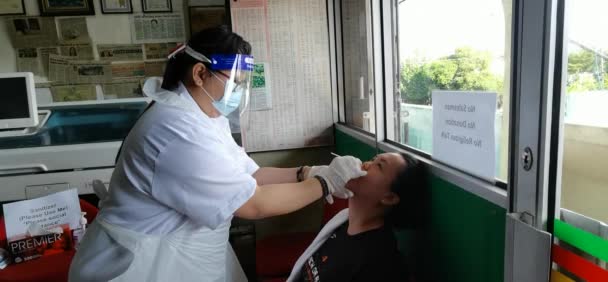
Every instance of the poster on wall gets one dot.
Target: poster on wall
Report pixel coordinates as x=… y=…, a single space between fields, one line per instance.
x=116 y=7
x=156 y=6
x=12 y=7
x=157 y=28
x=122 y=89
x=206 y=17
x=78 y=51
x=73 y=30
x=155 y=51
x=261 y=98
x=73 y=93
x=29 y=32
x=120 y=52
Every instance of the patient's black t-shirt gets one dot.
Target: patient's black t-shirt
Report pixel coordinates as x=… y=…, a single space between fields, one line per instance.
x=367 y=256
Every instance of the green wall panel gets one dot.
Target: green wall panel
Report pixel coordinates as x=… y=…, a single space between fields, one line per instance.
x=464 y=240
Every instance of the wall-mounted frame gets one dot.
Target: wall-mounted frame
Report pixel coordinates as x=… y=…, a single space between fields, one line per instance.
x=156 y=6
x=12 y=7
x=66 y=7
x=116 y=6
x=206 y=16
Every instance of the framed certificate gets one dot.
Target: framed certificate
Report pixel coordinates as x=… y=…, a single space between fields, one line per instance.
x=156 y=6
x=66 y=7
x=12 y=7
x=116 y=6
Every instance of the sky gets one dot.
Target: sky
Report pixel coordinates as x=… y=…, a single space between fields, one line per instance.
x=434 y=28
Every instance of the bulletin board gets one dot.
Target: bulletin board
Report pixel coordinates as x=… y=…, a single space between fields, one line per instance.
x=291 y=105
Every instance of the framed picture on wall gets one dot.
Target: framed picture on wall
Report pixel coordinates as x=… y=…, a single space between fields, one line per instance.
x=12 y=7
x=66 y=7
x=156 y=6
x=205 y=17
x=116 y=6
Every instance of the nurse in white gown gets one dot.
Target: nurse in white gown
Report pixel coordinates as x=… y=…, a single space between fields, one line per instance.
x=180 y=177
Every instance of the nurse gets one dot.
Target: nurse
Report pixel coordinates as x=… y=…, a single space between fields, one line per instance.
x=180 y=177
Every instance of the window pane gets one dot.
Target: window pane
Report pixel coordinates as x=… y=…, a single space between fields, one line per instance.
x=358 y=65
x=463 y=46
x=584 y=177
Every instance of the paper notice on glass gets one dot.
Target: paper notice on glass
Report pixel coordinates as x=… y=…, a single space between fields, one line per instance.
x=120 y=52
x=44 y=53
x=72 y=93
x=159 y=50
x=251 y=17
x=463 y=131
x=261 y=98
x=45 y=212
x=82 y=51
x=73 y=30
x=155 y=68
x=122 y=89
x=128 y=70
x=157 y=28
x=28 y=60
x=63 y=70
x=29 y=32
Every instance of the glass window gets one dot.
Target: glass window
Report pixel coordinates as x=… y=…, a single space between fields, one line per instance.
x=463 y=46
x=358 y=65
x=585 y=155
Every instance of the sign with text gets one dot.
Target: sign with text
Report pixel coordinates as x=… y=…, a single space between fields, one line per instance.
x=46 y=212
x=463 y=131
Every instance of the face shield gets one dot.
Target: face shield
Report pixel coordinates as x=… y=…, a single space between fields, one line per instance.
x=234 y=71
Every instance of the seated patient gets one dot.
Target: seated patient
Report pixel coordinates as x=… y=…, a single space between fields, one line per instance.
x=358 y=243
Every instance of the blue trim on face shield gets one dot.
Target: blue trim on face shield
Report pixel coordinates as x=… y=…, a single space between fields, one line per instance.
x=228 y=62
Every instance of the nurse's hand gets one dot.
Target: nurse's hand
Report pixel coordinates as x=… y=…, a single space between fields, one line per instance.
x=337 y=174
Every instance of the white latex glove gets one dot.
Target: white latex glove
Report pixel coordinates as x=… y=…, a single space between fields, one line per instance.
x=313 y=170
x=337 y=174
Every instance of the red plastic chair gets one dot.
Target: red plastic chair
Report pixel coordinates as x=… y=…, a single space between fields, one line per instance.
x=53 y=268
x=275 y=255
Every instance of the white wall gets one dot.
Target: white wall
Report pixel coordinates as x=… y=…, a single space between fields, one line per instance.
x=103 y=29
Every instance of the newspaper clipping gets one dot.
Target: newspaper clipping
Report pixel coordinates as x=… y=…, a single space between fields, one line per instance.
x=82 y=51
x=155 y=68
x=73 y=30
x=28 y=61
x=71 y=93
x=44 y=53
x=29 y=32
x=123 y=89
x=61 y=69
x=159 y=50
x=120 y=52
x=128 y=70
x=157 y=28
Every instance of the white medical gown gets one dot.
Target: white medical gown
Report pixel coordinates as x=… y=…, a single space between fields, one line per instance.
x=180 y=175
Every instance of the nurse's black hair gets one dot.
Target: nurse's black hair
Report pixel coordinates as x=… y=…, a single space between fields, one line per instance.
x=215 y=40
x=412 y=187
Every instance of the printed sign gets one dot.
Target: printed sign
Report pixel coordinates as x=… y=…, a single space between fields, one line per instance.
x=463 y=131
x=45 y=213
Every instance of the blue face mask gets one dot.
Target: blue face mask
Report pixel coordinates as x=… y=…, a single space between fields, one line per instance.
x=231 y=99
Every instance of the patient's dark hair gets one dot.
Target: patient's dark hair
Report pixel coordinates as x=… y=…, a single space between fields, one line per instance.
x=412 y=187
x=215 y=40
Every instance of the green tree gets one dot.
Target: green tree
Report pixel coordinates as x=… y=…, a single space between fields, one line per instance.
x=466 y=69
x=581 y=61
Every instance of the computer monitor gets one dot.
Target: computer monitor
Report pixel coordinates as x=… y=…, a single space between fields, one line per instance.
x=17 y=100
